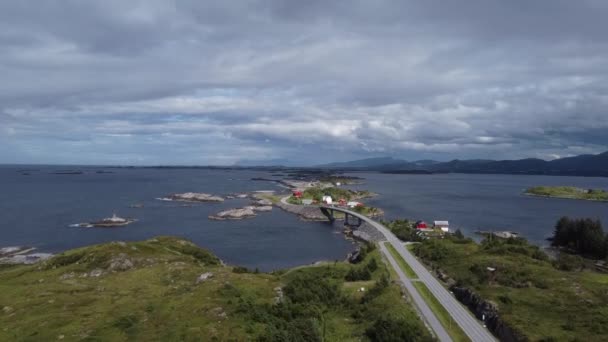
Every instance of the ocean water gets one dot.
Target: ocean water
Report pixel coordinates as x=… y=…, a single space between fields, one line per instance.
x=37 y=209
x=483 y=202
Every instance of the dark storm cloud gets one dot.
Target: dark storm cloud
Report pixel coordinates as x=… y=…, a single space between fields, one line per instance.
x=215 y=82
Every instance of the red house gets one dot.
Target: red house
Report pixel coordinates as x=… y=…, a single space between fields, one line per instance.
x=420 y=225
x=342 y=202
x=297 y=194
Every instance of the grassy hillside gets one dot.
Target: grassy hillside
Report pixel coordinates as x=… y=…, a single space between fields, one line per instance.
x=149 y=291
x=532 y=294
x=569 y=192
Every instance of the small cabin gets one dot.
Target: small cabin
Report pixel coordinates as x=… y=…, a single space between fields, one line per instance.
x=354 y=204
x=297 y=194
x=420 y=225
x=443 y=225
x=342 y=202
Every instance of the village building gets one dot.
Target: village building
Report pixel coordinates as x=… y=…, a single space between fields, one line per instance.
x=420 y=225
x=443 y=225
x=353 y=204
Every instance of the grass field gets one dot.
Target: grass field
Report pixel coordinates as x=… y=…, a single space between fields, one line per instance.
x=444 y=317
x=148 y=291
x=409 y=272
x=532 y=296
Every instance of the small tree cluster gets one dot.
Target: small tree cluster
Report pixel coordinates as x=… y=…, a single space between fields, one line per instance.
x=583 y=236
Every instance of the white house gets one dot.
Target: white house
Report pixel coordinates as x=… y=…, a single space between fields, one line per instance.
x=352 y=204
x=327 y=199
x=443 y=225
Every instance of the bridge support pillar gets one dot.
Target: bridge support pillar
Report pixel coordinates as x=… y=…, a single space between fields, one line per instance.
x=347 y=221
x=329 y=213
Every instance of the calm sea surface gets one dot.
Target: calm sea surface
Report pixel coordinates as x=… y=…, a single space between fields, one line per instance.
x=482 y=202
x=37 y=209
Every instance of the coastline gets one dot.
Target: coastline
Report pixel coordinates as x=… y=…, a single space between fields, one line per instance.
x=563 y=197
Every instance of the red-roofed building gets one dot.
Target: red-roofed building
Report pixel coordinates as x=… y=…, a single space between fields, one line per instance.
x=420 y=225
x=297 y=194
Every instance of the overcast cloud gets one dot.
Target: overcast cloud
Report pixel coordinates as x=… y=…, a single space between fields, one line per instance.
x=215 y=82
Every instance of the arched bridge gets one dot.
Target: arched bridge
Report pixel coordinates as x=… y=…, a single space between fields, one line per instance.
x=349 y=215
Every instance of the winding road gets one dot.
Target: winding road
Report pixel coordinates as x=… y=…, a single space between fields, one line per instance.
x=469 y=324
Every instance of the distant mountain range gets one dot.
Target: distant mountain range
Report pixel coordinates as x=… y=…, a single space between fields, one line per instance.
x=583 y=165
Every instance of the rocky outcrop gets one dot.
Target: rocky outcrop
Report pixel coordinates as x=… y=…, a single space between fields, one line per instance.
x=21 y=255
x=234 y=214
x=368 y=233
x=204 y=277
x=488 y=311
x=193 y=197
x=307 y=213
x=122 y=262
x=261 y=208
x=263 y=202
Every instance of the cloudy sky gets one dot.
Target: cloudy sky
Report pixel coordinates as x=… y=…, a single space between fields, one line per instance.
x=301 y=82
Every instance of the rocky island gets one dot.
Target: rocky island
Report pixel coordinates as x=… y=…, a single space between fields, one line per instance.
x=245 y=212
x=193 y=197
x=107 y=222
x=569 y=192
x=234 y=214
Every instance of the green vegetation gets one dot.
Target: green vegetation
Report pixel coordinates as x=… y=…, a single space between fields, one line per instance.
x=367 y=211
x=149 y=291
x=444 y=317
x=294 y=200
x=403 y=229
x=317 y=193
x=582 y=236
x=409 y=272
x=569 y=192
x=533 y=295
x=442 y=314
x=271 y=197
x=344 y=180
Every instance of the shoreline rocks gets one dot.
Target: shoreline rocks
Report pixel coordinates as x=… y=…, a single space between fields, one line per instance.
x=21 y=255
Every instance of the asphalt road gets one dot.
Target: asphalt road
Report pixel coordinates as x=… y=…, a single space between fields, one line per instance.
x=469 y=324
x=423 y=308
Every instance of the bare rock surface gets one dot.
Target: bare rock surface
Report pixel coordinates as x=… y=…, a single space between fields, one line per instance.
x=261 y=208
x=193 y=197
x=234 y=214
x=121 y=263
x=21 y=255
x=204 y=277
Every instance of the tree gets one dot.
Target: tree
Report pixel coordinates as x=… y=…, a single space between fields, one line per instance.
x=583 y=236
x=458 y=234
x=560 y=235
